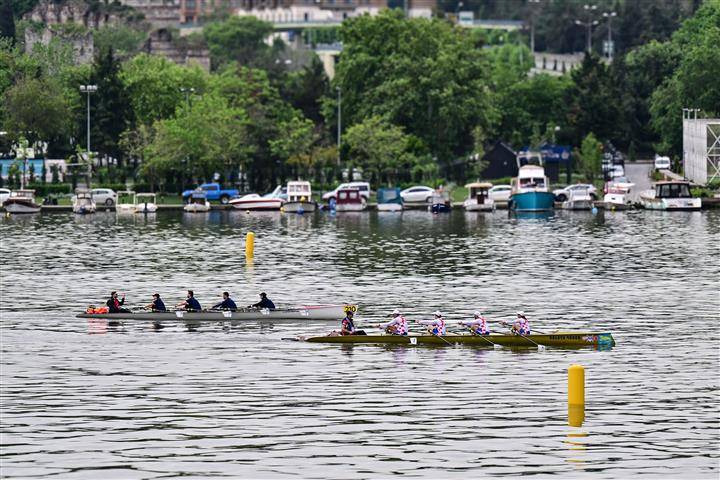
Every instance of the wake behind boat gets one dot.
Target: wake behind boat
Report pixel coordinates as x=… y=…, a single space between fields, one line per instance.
x=305 y=312
x=556 y=339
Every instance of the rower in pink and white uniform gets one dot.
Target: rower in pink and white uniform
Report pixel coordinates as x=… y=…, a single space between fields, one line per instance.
x=396 y=326
x=521 y=325
x=435 y=326
x=478 y=325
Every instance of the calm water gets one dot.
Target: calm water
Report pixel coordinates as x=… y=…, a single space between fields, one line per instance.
x=82 y=401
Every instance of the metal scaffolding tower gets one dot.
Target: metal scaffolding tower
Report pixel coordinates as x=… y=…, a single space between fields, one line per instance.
x=701 y=147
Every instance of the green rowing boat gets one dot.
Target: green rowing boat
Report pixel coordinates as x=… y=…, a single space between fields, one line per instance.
x=557 y=339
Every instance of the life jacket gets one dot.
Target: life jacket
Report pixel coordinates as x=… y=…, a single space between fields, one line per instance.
x=96 y=310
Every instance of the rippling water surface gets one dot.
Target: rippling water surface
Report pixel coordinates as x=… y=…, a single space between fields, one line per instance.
x=83 y=400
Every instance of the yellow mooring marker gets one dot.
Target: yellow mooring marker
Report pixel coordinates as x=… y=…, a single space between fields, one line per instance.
x=249 y=245
x=576 y=395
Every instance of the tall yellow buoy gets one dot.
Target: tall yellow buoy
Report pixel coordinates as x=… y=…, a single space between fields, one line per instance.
x=576 y=395
x=249 y=245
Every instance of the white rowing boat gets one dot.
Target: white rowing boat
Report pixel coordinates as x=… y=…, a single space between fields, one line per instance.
x=305 y=312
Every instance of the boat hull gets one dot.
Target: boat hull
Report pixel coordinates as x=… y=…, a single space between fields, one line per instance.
x=303 y=313
x=350 y=207
x=389 y=207
x=577 y=205
x=558 y=339
x=14 y=206
x=474 y=206
x=299 y=207
x=271 y=204
x=145 y=208
x=532 y=201
x=197 y=207
x=671 y=203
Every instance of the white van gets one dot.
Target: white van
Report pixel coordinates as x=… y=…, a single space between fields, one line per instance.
x=364 y=188
x=662 y=163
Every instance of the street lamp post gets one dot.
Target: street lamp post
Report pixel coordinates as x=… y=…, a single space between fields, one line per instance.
x=88 y=89
x=187 y=92
x=532 y=4
x=610 y=46
x=339 y=121
x=589 y=23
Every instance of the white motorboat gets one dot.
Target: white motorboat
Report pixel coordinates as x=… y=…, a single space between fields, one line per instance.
x=83 y=203
x=145 y=203
x=350 y=200
x=253 y=201
x=530 y=190
x=479 y=197
x=299 y=198
x=674 y=195
x=301 y=313
x=578 y=199
x=21 y=201
x=197 y=202
x=617 y=195
x=125 y=201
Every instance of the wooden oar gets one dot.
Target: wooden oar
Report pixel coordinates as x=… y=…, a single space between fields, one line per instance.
x=484 y=337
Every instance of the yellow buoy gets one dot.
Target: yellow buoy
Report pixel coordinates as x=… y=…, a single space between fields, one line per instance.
x=250 y=244
x=576 y=385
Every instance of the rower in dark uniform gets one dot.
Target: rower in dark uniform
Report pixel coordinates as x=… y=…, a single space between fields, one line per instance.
x=114 y=305
x=226 y=304
x=191 y=304
x=347 y=327
x=157 y=305
x=264 y=303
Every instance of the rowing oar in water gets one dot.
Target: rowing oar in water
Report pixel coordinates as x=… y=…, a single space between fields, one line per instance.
x=526 y=337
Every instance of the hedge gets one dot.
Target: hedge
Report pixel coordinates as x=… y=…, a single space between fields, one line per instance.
x=44 y=189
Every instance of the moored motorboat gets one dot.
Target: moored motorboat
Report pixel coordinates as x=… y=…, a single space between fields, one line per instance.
x=674 y=195
x=299 y=198
x=530 y=190
x=350 y=200
x=389 y=200
x=305 y=312
x=197 y=202
x=617 y=195
x=556 y=339
x=479 y=197
x=145 y=203
x=578 y=199
x=125 y=201
x=21 y=201
x=253 y=201
x=83 y=203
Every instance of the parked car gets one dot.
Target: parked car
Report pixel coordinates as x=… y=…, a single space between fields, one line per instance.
x=4 y=195
x=662 y=163
x=213 y=192
x=103 y=196
x=500 y=193
x=417 y=194
x=563 y=194
x=364 y=188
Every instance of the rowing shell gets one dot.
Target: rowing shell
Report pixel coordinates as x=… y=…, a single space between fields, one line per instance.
x=558 y=339
x=307 y=312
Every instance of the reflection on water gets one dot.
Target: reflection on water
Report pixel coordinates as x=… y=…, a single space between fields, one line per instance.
x=91 y=399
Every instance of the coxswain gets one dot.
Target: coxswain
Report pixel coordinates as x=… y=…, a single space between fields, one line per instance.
x=347 y=326
x=478 y=325
x=435 y=326
x=191 y=304
x=396 y=326
x=521 y=325
x=157 y=305
x=114 y=305
x=264 y=303
x=226 y=304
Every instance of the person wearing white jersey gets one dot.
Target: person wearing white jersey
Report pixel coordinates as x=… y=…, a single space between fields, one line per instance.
x=396 y=326
x=521 y=325
x=435 y=326
x=478 y=325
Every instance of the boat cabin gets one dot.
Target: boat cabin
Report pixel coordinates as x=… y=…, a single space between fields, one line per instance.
x=299 y=191
x=479 y=191
x=198 y=196
x=23 y=194
x=532 y=177
x=389 y=195
x=349 y=196
x=672 y=190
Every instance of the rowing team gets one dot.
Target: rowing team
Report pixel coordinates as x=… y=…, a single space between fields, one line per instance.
x=399 y=325
x=190 y=304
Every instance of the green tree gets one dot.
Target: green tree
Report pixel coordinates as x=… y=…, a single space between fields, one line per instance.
x=125 y=40
x=591 y=157
x=305 y=89
x=7 y=21
x=35 y=109
x=154 y=84
x=294 y=143
x=238 y=39
x=423 y=75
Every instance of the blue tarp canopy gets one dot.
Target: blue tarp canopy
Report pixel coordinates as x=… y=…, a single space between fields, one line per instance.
x=550 y=153
x=389 y=195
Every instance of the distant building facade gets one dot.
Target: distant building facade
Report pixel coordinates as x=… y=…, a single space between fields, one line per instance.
x=327 y=11
x=501 y=162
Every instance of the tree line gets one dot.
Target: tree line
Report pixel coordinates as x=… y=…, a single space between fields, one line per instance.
x=420 y=100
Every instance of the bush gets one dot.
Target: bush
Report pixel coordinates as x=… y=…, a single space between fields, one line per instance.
x=45 y=189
